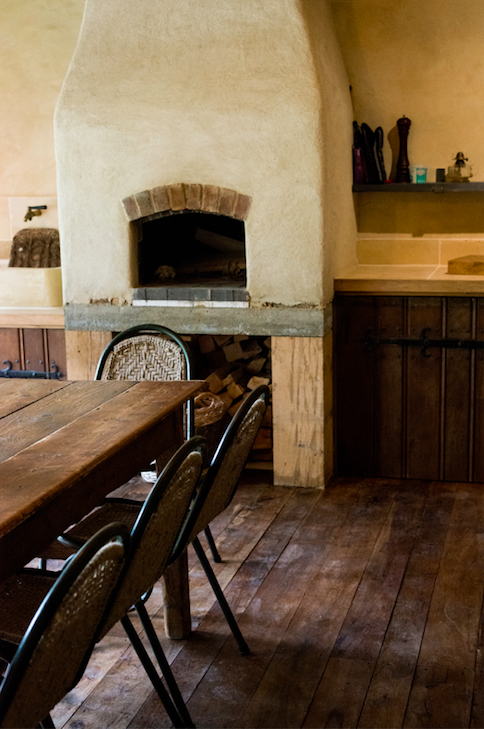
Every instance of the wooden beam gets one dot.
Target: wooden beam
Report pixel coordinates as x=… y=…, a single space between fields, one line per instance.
x=302 y=410
x=83 y=350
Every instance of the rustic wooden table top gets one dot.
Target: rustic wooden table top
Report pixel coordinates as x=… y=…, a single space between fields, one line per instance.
x=65 y=445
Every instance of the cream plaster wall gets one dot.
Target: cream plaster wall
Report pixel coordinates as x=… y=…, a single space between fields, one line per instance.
x=37 y=39
x=339 y=221
x=223 y=93
x=424 y=60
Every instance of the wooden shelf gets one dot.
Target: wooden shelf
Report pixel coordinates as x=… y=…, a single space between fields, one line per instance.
x=423 y=187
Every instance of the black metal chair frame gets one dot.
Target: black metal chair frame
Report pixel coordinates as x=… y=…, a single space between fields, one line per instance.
x=46 y=611
x=226 y=441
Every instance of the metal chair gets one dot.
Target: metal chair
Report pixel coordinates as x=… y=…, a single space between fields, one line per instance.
x=62 y=615
x=148 y=352
x=220 y=483
x=159 y=526
x=214 y=495
x=152 y=352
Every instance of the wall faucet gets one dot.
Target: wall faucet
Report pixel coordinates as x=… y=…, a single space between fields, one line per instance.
x=34 y=210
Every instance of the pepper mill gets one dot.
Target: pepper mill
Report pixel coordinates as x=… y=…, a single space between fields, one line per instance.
x=403 y=171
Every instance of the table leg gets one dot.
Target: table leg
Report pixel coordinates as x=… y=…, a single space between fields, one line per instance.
x=176 y=594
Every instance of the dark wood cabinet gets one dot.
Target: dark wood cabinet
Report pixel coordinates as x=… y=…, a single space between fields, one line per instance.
x=35 y=350
x=405 y=409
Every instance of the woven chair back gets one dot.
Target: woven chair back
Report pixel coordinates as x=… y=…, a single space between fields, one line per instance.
x=149 y=352
x=58 y=643
x=223 y=474
x=145 y=357
x=158 y=526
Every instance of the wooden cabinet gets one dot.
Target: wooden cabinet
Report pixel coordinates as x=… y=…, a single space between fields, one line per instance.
x=403 y=409
x=33 y=349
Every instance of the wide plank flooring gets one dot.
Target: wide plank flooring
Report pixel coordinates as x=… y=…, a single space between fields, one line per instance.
x=362 y=605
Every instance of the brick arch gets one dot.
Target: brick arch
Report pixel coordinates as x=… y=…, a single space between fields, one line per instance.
x=181 y=197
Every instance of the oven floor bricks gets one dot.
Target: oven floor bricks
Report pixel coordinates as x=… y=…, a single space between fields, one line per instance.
x=301 y=401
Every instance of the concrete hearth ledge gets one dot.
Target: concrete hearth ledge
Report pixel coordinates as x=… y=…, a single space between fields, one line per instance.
x=277 y=321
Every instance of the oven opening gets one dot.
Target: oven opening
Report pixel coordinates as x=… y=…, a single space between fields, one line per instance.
x=192 y=249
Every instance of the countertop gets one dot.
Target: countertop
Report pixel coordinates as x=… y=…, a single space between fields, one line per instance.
x=30 y=317
x=409 y=279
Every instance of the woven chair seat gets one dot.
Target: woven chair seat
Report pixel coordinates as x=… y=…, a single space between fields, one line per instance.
x=126 y=513
x=26 y=594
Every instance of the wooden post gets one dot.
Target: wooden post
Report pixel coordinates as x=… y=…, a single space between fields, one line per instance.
x=83 y=350
x=176 y=596
x=302 y=410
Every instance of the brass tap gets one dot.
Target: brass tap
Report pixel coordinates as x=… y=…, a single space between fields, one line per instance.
x=34 y=210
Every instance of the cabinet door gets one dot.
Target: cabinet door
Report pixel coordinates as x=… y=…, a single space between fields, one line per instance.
x=34 y=349
x=403 y=411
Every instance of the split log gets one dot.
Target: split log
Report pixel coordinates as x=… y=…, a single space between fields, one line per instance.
x=257 y=381
x=215 y=384
x=263 y=440
x=206 y=343
x=222 y=339
x=233 y=352
x=255 y=366
x=235 y=391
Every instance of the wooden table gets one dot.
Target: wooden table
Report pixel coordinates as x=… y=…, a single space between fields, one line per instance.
x=65 y=445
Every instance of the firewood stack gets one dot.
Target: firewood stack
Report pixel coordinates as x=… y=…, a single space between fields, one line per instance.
x=233 y=366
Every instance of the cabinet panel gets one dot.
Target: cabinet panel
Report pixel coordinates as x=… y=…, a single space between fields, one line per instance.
x=424 y=372
x=56 y=350
x=478 y=441
x=10 y=348
x=390 y=379
x=34 y=349
x=355 y=397
x=459 y=391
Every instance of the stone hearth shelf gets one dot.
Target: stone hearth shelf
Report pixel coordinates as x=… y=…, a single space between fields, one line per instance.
x=275 y=321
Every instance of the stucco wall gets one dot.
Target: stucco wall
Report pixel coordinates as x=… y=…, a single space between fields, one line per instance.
x=226 y=94
x=424 y=60
x=37 y=39
x=339 y=221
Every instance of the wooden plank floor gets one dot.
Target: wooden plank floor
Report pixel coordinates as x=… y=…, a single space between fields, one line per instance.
x=362 y=604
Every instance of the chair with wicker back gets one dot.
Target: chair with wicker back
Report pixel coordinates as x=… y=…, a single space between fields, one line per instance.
x=220 y=483
x=152 y=352
x=148 y=352
x=214 y=495
x=62 y=615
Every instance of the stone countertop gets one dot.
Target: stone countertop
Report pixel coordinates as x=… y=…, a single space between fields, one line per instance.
x=409 y=279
